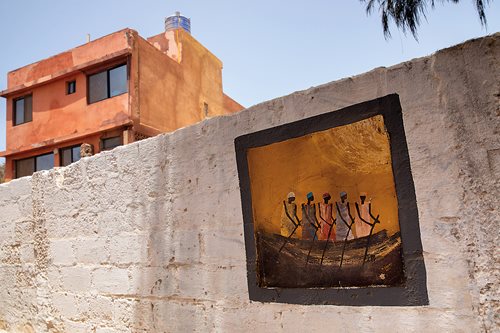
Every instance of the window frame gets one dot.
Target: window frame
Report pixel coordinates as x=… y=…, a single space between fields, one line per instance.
x=107 y=70
x=70 y=148
x=16 y=172
x=120 y=137
x=69 y=84
x=14 y=109
x=45 y=154
x=34 y=158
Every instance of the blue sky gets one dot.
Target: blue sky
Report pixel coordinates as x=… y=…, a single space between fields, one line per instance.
x=269 y=48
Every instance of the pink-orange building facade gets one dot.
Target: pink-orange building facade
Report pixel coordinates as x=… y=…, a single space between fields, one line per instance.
x=114 y=90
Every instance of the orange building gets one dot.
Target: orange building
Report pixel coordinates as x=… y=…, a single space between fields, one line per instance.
x=112 y=91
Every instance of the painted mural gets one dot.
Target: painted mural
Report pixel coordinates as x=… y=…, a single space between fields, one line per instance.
x=325 y=209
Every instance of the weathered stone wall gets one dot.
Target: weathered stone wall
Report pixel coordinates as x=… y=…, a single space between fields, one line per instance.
x=149 y=236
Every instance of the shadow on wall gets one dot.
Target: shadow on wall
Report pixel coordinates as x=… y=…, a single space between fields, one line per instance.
x=159 y=275
x=174 y=281
x=154 y=280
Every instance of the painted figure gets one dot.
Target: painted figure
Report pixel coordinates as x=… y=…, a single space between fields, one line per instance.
x=344 y=221
x=366 y=221
x=326 y=219
x=363 y=227
x=289 y=219
x=310 y=222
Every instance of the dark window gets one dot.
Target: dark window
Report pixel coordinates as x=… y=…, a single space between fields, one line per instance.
x=27 y=166
x=118 y=81
x=110 y=143
x=71 y=87
x=23 y=110
x=70 y=155
x=44 y=162
x=106 y=84
x=98 y=87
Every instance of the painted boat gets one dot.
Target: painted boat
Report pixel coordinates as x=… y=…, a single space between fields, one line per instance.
x=299 y=264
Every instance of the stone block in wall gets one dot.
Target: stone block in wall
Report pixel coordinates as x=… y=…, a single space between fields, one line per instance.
x=83 y=225
x=26 y=276
x=25 y=228
x=222 y=217
x=100 y=309
x=77 y=326
x=7 y=232
x=183 y=315
x=155 y=281
x=10 y=212
x=142 y=316
x=61 y=252
x=27 y=253
x=109 y=223
x=159 y=247
x=8 y=275
x=76 y=279
x=20 y=187
x=66 y=305
x=54 y=278
x=110 y=280
x=212 y=282
x=91 y=250
x=447 y=288
x=264 y=318
x=126 y=249
x=223 y=248
x=443 y=243
x=9 y=254
x=345 y=320
x=186 y=246
x=123 y=312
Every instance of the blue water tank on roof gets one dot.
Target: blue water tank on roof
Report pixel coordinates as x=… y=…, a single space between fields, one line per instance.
x=177 y=21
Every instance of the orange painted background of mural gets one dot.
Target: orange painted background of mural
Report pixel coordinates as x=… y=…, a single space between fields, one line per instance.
x=353 y=158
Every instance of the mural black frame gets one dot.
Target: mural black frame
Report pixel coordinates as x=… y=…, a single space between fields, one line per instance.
x=413 y=292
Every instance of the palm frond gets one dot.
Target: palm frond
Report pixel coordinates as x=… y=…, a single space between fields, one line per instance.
x=407 y=14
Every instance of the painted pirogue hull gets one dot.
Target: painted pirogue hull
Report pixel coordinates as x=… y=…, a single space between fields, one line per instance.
x=288 y=268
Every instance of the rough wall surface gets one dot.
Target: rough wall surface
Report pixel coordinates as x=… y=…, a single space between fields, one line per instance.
x=149 y=236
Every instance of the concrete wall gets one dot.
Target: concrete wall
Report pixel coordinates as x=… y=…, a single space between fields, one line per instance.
x=149 y=236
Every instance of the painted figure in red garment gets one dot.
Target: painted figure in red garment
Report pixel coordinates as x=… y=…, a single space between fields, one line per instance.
x=326 y=218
